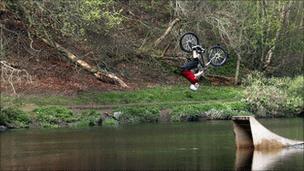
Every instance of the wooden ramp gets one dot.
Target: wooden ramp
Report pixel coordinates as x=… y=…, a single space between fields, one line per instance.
x=249 y=133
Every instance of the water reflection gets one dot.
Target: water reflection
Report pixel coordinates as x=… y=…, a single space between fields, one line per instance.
x=207 y=145
x=248 y=159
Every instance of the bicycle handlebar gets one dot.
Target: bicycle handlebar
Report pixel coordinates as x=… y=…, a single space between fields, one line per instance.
x=198 y=48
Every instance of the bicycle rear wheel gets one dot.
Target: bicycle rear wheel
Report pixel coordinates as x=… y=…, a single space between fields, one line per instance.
x=187 y=41
x=217 y=56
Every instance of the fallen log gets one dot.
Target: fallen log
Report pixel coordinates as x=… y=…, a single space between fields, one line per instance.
x=101 y=75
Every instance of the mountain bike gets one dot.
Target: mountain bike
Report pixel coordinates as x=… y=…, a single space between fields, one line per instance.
x=216 y=55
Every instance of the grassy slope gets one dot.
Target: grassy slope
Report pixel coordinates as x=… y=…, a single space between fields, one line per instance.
x=167 y=94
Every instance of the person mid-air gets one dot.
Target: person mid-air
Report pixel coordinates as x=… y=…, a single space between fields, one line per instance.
x=186 y=69
x=216 y=56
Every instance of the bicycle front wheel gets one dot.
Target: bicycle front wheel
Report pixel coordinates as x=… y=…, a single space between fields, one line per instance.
x=217 y=56
x=187 y=41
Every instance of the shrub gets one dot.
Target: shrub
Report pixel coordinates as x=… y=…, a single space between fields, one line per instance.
x=296 y=86
x=87 y=118
x=110 y=122
x=224 y=114
x=139 y=115
x=190 y=111
x=14 y=118
x=193 y=112
x=274 y=96
x=54 y=116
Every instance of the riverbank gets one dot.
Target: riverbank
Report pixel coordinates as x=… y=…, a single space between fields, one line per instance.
x=159 y=104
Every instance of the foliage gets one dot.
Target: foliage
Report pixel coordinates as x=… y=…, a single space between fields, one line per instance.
x=296 y=86
x=14 y=118
x=110 y=123
x=196 y=111
x=267 y=32
x=274 y=96
x=86 y=118
x=182 y=112
x=214 y=114
x=51 y=19
x=54 y=116
x=139 y=115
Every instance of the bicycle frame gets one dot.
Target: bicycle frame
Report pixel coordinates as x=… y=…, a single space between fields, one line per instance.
x=216 y=55
x=200 y=54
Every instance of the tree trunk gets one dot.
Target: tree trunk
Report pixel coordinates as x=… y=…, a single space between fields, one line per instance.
x=284 y=17
x=171 y=25
x=101 y=75
x=237 y=70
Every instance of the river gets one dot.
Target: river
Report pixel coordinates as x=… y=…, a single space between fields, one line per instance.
x=206 y=145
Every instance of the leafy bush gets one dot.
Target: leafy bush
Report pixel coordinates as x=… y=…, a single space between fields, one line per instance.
x=274 y=96
x=296 y=86
x=87 y=118
x=110 y=122
x=54 y=116
x=139 y=115
x=14 y=118
x=193 y=112
x=224 y=114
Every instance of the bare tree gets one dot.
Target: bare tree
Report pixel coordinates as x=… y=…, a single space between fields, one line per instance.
x=12 y=75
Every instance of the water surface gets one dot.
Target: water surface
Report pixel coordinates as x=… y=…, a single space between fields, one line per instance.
x=207 y=145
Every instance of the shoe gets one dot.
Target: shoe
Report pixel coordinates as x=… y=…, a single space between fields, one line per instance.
x=194 y=87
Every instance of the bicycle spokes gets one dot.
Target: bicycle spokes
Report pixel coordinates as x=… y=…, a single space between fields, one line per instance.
x=217 y=56
x=187 y=41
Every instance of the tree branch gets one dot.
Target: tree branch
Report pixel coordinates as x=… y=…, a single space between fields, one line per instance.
x=171 y=25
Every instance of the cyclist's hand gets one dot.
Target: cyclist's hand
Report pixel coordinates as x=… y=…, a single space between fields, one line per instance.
x=198 y=49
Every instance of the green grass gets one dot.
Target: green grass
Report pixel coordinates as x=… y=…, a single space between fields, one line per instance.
x=182 y=111
x=166 y=94
x=140 y=106
x=54 y=116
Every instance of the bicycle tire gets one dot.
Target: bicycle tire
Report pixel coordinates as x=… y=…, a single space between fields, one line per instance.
x=220 y=58
x=183 y=42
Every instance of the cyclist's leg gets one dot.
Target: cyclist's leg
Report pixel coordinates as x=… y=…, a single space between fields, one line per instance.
x=189 y=76
x=187 y=73
x=199 y=74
